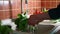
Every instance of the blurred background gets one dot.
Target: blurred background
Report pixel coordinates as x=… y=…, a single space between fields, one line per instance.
x=10 y=8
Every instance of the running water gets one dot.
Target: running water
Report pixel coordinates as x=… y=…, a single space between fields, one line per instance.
x=56 y=28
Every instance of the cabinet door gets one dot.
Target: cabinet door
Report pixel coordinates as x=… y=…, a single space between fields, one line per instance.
x=16 y=8
x=4 y=9
x=8 y=10
x=1 y=8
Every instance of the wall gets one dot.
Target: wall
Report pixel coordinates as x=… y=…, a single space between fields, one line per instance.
x=32 y=6
x=48 y=4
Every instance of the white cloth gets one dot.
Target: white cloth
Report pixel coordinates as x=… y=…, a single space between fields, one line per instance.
x=9 y=22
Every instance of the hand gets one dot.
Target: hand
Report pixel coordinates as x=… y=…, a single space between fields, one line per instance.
x=35 y=19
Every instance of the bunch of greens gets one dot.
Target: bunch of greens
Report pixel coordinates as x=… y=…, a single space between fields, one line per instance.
x=21 y=22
